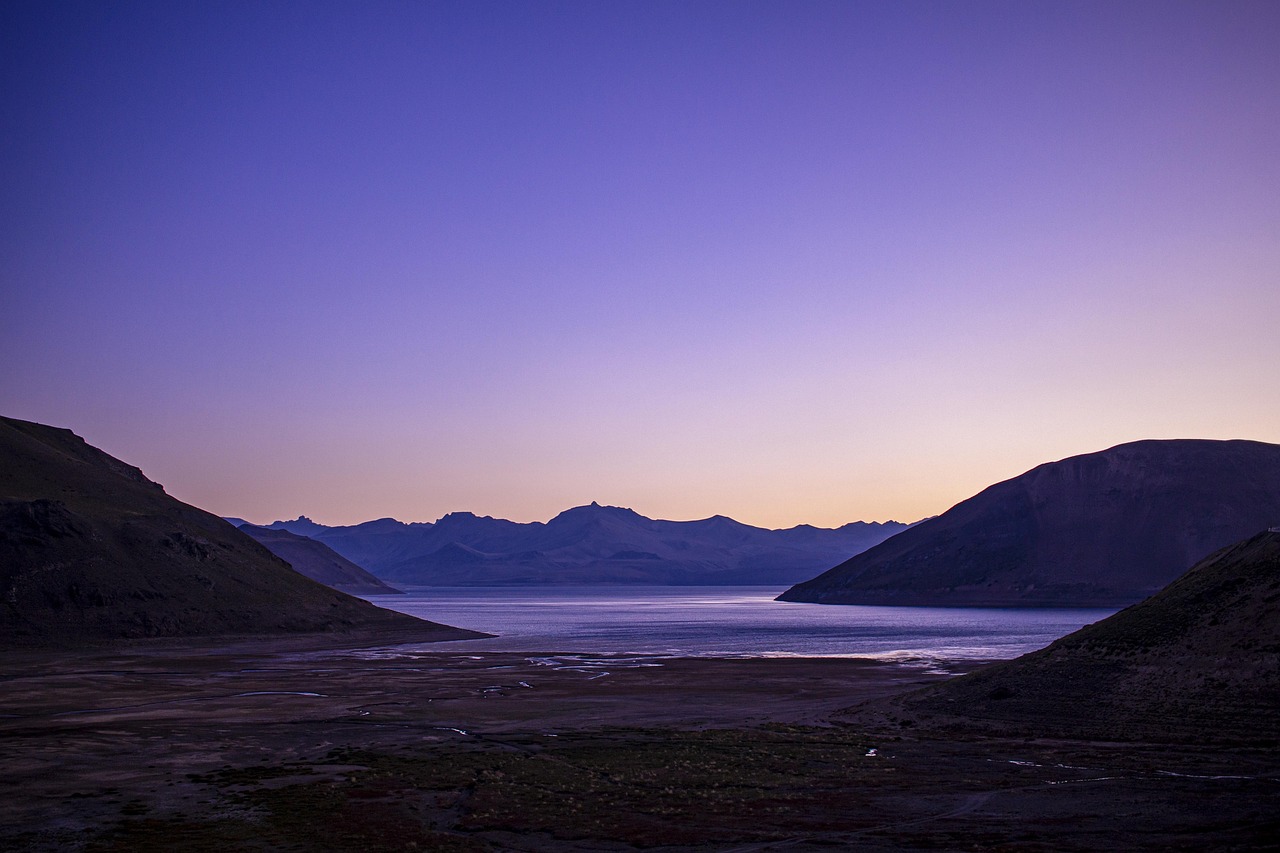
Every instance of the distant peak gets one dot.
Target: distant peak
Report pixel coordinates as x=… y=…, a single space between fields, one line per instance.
x=723 y=521
x=381 y=525
x=596 y=509
x=853 y=525
x=459 y=515
x=301 y=525
x=615 y=510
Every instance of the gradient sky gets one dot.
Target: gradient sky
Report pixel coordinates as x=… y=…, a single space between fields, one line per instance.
x=788 y=261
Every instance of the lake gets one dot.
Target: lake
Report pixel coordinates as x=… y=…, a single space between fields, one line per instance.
x=729 y=622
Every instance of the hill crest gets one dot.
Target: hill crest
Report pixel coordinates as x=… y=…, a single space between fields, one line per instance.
x=594 y=543
x=1102 y=529
x=91 y=550
x=1199 y=660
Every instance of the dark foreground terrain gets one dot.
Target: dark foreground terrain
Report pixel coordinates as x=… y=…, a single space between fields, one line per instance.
x=280 y=747
x=92 y=551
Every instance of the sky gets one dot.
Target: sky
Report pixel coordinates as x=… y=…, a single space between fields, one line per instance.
x=790 y=262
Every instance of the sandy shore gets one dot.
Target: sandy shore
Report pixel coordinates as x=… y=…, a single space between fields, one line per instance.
x=290 y=746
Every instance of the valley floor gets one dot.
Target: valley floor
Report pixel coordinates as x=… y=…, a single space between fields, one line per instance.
x=253 y=747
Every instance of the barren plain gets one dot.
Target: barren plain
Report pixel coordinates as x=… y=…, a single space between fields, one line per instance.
x=298 y=746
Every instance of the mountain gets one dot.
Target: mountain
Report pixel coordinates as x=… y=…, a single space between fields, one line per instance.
x=91 y=550
x=1198 y=661
x=318 y=561
x=1100 y=530
x=591 y=544
x=301 y=525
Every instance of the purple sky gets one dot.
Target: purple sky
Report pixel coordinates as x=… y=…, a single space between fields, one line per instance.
x=789 y=262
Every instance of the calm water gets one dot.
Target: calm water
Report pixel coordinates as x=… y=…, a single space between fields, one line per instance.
x=729 y=621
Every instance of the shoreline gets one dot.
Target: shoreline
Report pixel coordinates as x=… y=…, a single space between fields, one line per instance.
x=569 y=689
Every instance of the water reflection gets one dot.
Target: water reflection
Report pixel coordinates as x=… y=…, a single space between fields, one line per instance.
x=729 y=621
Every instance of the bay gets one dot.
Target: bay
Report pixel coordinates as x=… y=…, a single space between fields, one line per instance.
x=729 y=622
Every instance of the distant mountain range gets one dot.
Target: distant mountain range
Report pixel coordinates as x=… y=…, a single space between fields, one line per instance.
x=319 y=562
x=1198 y=661
x=590 y=544
x=91 y=550
x=1100 y=530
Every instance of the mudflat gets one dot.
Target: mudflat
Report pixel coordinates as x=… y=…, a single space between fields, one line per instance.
x=297 y=745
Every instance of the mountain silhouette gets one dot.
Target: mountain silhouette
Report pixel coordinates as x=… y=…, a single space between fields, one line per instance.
x=591 y=544
x=1198 y=661
x=318 y=561
x=1104 y=529
x=91 y=550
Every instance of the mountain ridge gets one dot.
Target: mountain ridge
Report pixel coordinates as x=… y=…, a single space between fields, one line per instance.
x=318 y=561
x=93 y=551
x=1103 y=529
x=1200 y=661
x=592 y=543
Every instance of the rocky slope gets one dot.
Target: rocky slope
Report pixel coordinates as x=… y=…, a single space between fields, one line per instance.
x=1198 y=661
x=1099 y=530
x=318 y=561
x=591 y=544
x=91 y=550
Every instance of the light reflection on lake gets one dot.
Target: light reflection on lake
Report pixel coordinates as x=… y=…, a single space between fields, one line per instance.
x=728 y=621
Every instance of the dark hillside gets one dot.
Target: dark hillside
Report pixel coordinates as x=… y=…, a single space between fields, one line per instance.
x=1100 y=530
x=1198 y=661
x=92 y=550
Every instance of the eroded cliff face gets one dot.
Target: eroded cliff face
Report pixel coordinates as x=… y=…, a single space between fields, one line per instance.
x=1099 y=530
